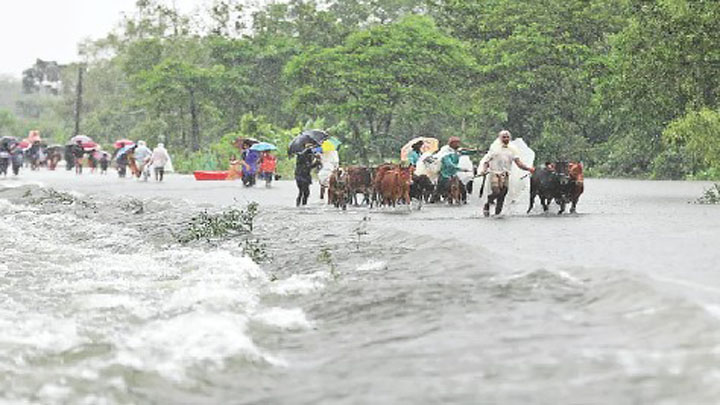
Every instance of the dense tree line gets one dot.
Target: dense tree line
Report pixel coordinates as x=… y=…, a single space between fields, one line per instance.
x=628 y=86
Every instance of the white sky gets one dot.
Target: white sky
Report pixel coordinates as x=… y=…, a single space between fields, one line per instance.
x=51 y=29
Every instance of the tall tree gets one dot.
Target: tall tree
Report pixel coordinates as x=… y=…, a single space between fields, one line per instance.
x=409 y=65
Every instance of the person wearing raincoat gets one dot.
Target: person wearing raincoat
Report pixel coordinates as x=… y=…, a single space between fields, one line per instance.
x=497 y=167
x=159 y=159
x=142 y=158
x=329 y=162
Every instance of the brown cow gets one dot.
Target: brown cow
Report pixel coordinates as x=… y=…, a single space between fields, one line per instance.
x=338 y=191
x=380 y=172
x=577 y=183
x=360 y=181
x=395 y=185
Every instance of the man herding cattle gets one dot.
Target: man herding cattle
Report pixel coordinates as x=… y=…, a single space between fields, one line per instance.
x=497 y=167
x=449 y=167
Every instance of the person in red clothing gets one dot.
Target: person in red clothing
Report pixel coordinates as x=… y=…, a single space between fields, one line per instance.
x=268 y=162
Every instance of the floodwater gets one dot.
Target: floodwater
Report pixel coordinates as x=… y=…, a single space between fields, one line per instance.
x=619 y=304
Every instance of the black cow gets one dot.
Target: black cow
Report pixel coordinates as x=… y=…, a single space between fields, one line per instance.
x=550 y=183
x=421 y=188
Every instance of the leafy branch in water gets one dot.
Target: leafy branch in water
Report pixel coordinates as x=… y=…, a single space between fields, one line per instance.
x=710 y=195
x=325 y=257
x=223 y=225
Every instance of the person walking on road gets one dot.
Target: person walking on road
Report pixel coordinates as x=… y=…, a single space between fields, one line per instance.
x=159 y=159
x=498 y=167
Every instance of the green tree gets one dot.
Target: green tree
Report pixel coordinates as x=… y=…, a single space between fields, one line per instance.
x=408 y=66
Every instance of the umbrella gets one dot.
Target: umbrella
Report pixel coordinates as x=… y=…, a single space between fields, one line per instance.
x=330 y=144
x=81 y=138
x=313 y=137
x=124 y=150
x=263 y=146
x=317 y=135
x=90 y=145
x=123 y=142
x=300 y=143
x=8 y=140
x=24 y=144
x=429 y=145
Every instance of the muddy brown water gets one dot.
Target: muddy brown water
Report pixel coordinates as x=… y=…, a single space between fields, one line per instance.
x=98 y=304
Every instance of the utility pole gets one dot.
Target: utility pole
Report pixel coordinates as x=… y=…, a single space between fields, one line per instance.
x=78 y=99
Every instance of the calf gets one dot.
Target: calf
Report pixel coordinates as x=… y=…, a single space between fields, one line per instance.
x=338 y=189
x=455 y=191
x=422 y=188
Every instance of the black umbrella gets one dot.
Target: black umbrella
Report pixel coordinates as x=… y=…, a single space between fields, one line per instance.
x=313 y=137
x=317 y=135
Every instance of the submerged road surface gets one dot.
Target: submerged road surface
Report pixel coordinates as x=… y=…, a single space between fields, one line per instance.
x=617 y=304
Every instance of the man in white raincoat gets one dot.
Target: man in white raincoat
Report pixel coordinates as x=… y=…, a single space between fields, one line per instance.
x=497 y=167
x=330 y=160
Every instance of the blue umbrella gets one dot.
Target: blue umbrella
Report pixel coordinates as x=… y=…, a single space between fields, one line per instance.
x=124 y=150
x=263 y=146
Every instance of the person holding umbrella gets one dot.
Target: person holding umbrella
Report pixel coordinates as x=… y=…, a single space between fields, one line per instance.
x=268 y=162
x=306 y=161
x=415 y=152
x=121 y=159
x=77 y=152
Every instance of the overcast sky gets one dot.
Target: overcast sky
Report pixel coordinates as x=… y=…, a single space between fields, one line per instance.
x=51 y=29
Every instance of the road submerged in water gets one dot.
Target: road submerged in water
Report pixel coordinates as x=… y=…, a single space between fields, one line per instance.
x=617 y=304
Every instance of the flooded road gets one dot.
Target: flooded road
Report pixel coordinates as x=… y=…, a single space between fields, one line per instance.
x=618 y=304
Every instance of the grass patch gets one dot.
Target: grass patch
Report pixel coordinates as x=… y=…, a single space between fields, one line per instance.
x=710 y=195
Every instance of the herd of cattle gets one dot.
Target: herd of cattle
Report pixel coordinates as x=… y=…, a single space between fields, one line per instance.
x=390 y=184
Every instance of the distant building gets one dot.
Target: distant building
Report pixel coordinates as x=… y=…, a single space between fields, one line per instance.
x=43 y=78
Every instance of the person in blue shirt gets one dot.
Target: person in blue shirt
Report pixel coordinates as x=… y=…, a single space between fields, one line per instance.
x=450 y=167
x=415 y=153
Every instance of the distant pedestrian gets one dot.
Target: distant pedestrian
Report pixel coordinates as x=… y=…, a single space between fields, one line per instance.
x=104 y=162
x=268 y=163
x=159 y=159
x=78 y=152
x=142 y=156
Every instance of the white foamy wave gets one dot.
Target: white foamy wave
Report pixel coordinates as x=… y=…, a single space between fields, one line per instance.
x=289 y=319
x=171 y=347
x=299 y=284
x=31 y=334
x=372 y=265
x=97 y=296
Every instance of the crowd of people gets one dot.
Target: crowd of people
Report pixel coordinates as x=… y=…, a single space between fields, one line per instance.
x=435 y=175
x=81 y=152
